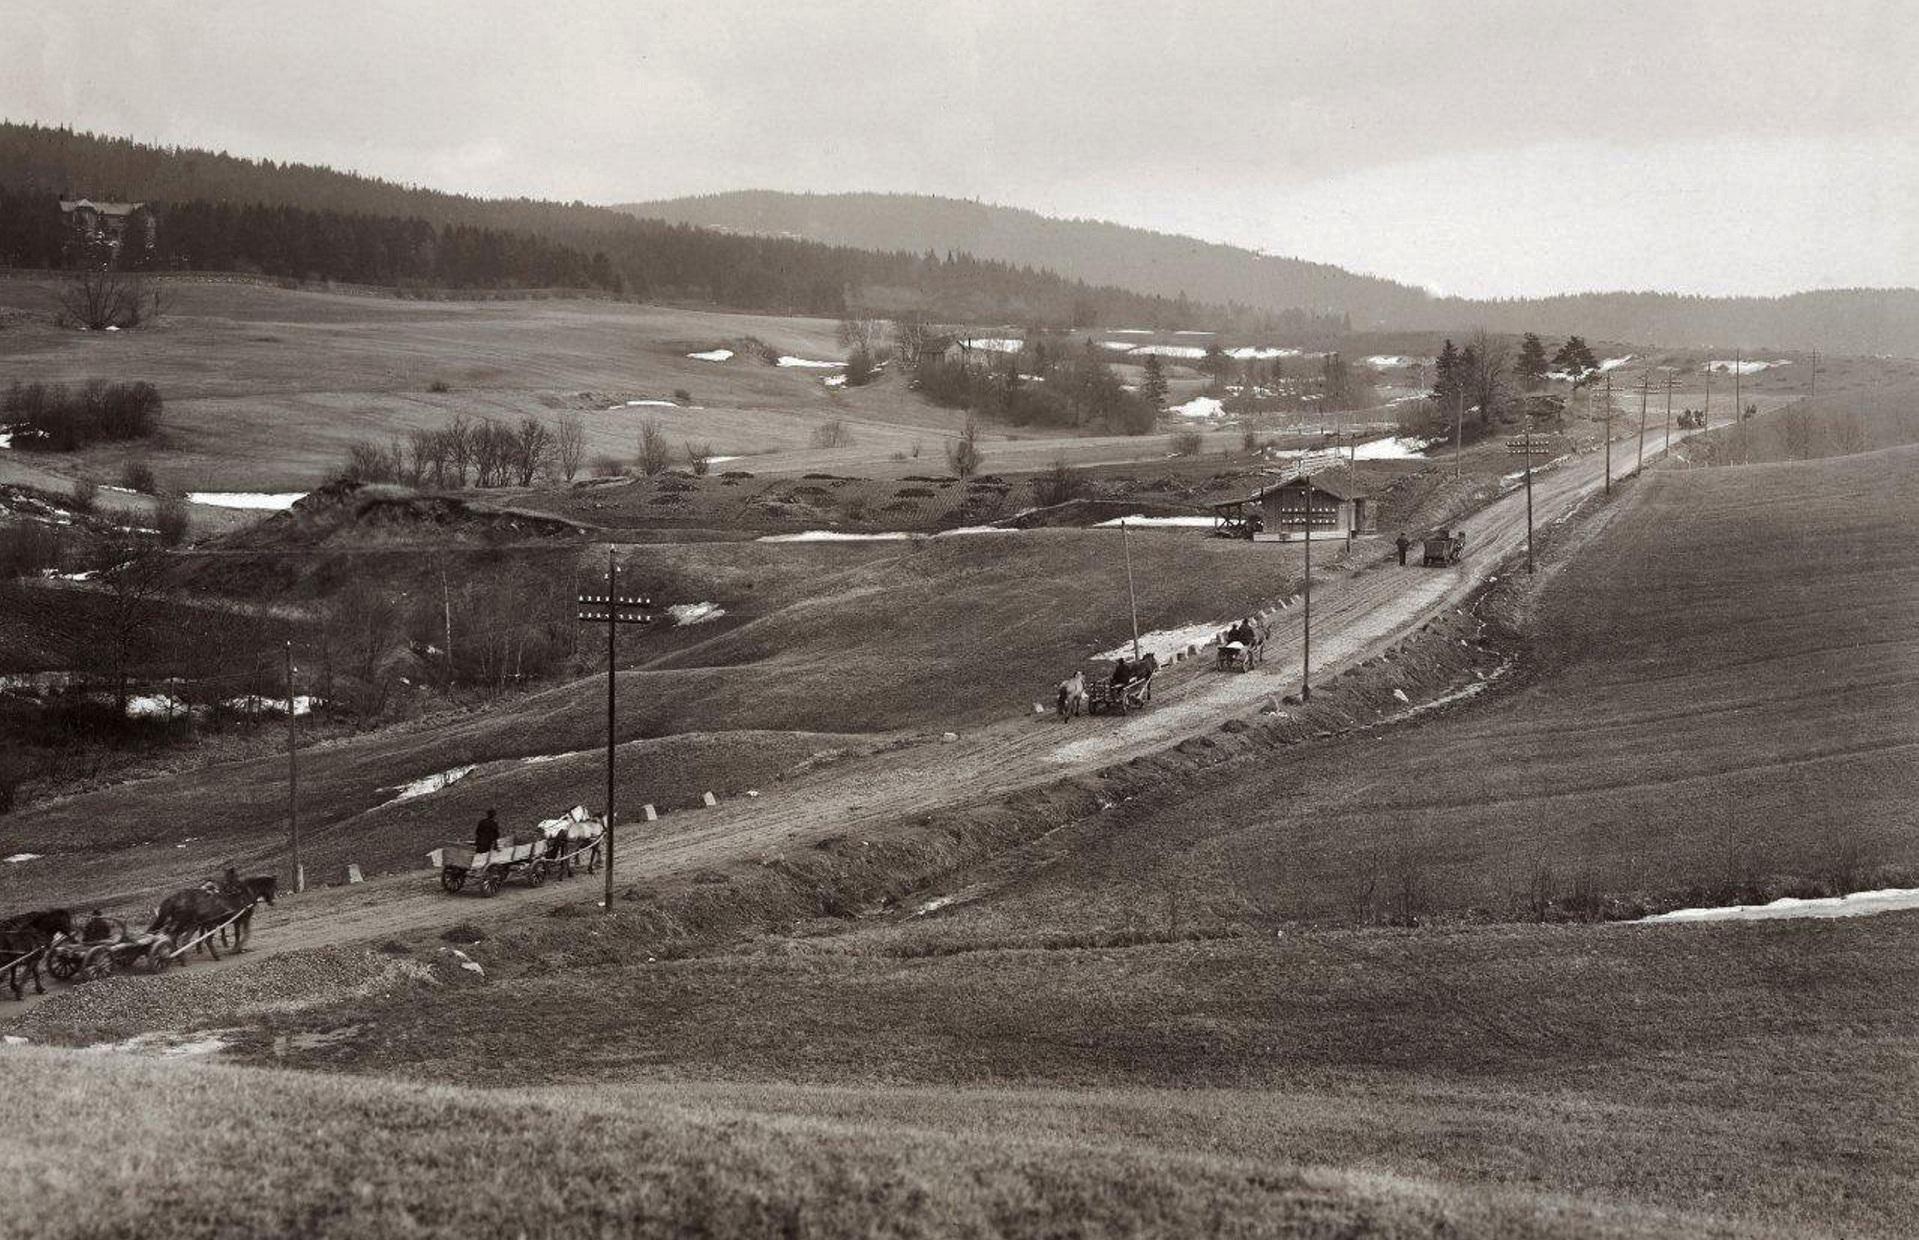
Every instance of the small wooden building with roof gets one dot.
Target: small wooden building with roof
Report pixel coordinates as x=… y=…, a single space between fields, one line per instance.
x=1338 y=500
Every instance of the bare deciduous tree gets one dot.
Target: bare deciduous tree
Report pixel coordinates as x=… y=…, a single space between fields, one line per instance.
x=655 y=454
x=963 y=455
x=700 y=457
x=532 y=449
x=832 y=433
x=569 y=445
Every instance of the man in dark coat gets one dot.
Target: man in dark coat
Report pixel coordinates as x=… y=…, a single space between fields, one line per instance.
x=487 y=834
x=1404 y=544
x=1122 y=672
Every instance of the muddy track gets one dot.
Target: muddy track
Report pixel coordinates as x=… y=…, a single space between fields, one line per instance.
x=1360 y=607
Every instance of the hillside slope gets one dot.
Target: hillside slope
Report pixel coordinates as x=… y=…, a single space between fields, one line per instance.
x=1863 y=321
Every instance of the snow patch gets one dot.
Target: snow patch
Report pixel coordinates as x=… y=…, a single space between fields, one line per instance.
x=17 y=858
x=1388 y=361
x=789 y=362
x=1118 y=346
x=1254 y=352
x=834 y=381
x=695 y=613
x=1186 y=351
x=1167 y=523
x=832 y=536
x=1744 y=366
x=656 y=404
x=302 y=703
x=272 y=501
x=427 y=784
x=1858 y=904
x=1614 y=363
x=1391 y=449
x=997 y=344
x=1165 y=643
x=713 y=355
x=156 y=706
x=1200 y=407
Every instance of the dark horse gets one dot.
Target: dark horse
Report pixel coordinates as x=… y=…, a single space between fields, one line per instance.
x=24 y=940
x=184 y=915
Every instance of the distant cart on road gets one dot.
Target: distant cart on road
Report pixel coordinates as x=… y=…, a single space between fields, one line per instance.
x=1103 y=697
x=1443 y=548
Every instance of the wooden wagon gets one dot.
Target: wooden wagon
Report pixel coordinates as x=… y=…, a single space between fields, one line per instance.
x=79 y=959
x=489 y=870
x=1241 y=656
x=1103 y=697
x=1443 y=549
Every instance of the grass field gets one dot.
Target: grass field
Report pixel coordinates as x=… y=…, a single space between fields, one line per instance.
x=820 y=640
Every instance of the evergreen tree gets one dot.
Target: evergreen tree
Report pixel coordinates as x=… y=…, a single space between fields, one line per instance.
x=1449 y=376
x=1153 y=387
x=1532 y=365
x=1576 y=359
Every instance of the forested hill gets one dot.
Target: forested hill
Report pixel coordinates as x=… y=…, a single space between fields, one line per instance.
x=1838 y=320
x=305 y=221
x=1151 y=262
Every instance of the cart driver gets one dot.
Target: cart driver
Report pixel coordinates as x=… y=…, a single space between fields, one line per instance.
x=487 y=834
x=97 y=930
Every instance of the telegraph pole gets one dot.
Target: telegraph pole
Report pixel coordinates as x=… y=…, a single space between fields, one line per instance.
x=1738 y=401
x=612 y=610
x=1132 y=600
x=1645 y=389
x=1306 y=684
x=293 y=780
x=1526 y=414
x=1670 y=380
x=1609 y=434
x=1705 y=413
x=1459 y=416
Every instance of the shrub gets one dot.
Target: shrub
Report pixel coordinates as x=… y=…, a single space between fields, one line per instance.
x=606 y=467
x=27 y=548
x=655 y=456
x=963 y=455
x=55 y=418
x=439 y=385
x=171 y=519
x=86 y=493
x=832 y=434
x=1059 y=484
x=1185 y=442
x=138 y=476
x=683 y=396
x=700 y=457
x=859 y=368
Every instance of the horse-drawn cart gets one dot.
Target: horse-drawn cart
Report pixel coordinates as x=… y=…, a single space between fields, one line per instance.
x=1238 y=654
x=1443 y=549
x=564 y=841
x=72 y=959
x=1103 y=697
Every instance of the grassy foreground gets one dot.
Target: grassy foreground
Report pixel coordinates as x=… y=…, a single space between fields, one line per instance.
x=102 y=1147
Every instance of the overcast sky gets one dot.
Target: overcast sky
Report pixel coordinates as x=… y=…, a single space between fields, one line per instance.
x=1480 y=147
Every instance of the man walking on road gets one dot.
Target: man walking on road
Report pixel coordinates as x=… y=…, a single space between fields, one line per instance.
x=1404 y=544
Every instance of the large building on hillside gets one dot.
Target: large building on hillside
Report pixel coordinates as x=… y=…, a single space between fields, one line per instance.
x=108 y=225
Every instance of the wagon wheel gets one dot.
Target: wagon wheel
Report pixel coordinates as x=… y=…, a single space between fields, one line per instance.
x=452 y=878
x=490 y=880
x=62 y=966
x=159 y=956
x=99 y=963
x=536 y=874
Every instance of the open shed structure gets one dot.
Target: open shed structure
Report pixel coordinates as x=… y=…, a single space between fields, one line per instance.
x=1340 y=507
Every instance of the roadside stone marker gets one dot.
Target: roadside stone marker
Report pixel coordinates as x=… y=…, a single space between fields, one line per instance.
x=711 y=800
x=651 y=814
x=353 y=874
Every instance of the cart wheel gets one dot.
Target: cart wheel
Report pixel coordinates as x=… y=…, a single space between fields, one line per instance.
x=490 y=881
x=99 y=964
x=62 y=966
x=452 y=879
x=536 y=874
x=159 y=956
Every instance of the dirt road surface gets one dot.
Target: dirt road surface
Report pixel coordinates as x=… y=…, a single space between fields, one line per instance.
x=1360 y=606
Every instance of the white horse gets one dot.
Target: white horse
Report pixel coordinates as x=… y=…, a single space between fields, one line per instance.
x=1072 y=695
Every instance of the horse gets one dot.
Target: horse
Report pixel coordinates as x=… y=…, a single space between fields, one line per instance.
x=24 y=939
x=262 y=887
x=185 y=915
x=1072 y=695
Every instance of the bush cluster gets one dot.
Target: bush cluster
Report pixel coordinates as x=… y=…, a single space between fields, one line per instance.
x=52 y=417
